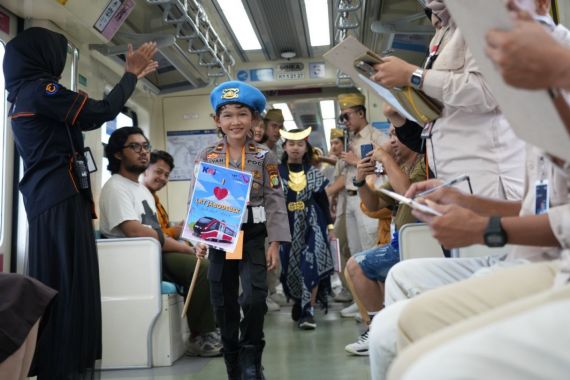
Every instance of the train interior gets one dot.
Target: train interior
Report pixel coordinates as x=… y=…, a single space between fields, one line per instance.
x=275 y=45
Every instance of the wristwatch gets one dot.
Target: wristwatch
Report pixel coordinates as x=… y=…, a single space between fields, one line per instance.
x=417 y=78
x=495 y=235
x=358 y=183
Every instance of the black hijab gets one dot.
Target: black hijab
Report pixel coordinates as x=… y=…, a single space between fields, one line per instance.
x=36 y=53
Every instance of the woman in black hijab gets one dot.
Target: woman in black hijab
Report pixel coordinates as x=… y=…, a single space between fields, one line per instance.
x=47 y=123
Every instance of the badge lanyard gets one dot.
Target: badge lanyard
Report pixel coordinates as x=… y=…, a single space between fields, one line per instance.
x=237 y=254
x=428 y=128
x=426 y=133
x=434 y=51
x=242 y=157
x=541 y=189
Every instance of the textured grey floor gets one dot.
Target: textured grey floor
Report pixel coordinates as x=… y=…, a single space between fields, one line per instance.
x=290 y=353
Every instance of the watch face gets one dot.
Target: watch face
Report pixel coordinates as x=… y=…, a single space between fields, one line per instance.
x=416 y=80
x=494 y=239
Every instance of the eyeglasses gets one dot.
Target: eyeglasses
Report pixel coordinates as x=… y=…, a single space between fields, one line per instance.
x=344 y=116
x=137 y=148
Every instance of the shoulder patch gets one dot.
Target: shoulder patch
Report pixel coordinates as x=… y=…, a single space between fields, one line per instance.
x=212 y=155
x=51 y=88
x=252 y=148
x=273 y=173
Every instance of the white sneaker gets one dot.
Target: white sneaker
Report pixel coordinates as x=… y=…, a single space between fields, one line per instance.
x=350 y=311
x=279 y=299
x=360 y=347
x=358 y=317
x=272 y=305
x=343 y=296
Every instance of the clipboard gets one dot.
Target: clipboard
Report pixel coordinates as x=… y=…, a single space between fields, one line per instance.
x=356 y=60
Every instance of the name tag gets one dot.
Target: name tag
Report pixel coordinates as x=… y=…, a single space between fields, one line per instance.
x=541 y=197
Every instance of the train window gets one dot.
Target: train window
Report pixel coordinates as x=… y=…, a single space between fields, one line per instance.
x=127 y=118
x=2 y=138
x=329 y=119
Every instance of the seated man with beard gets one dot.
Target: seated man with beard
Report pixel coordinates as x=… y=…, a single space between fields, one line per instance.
x=128 y=209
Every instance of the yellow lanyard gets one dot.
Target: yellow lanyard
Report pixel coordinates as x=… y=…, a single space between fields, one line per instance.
x=242 y=157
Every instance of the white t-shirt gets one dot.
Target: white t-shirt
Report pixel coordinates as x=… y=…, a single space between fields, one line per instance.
x=121 y=200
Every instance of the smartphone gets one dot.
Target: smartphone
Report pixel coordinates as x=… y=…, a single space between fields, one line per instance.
x=364 y=68
x=365 y=149
x=410 y=202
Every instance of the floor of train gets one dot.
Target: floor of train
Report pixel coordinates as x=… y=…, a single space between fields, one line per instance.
x=290 y=353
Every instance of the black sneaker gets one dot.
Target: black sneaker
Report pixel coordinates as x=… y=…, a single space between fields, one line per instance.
x=307 y=322
x=296 y=311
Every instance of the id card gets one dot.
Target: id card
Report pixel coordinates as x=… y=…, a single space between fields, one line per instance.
x=426 y=132
x=541 y=197
x=237 y=254
x=91 y=166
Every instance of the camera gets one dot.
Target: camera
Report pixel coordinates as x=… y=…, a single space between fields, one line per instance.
x=81 y=173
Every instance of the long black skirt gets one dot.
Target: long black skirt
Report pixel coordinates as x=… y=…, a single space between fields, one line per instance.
x=62 y=254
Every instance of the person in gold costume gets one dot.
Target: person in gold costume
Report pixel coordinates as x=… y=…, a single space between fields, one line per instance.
x=307 y=262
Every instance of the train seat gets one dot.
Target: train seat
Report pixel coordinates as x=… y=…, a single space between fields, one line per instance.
x=141 y=314
x=416 y=242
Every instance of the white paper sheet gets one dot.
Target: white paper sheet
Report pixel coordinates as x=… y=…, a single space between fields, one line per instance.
x=531 y=114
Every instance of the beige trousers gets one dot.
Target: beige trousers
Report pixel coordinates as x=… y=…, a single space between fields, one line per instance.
x=17 y=365
x=340 y=232
x=437 y=317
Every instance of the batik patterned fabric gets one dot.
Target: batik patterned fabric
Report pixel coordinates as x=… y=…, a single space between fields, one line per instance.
x=307 y=261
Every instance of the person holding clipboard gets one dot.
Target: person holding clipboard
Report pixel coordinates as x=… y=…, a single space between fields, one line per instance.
x=471 y=136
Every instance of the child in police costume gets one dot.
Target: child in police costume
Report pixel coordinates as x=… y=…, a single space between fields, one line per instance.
x=237 y=107
x=307 y=262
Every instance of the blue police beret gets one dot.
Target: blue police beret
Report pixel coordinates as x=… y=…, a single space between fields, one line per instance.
x=237 y=92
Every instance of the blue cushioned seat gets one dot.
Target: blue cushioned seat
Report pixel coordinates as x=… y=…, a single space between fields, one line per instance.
x=167 y=288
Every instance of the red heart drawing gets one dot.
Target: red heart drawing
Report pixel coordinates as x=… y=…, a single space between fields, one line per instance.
x=220 y=192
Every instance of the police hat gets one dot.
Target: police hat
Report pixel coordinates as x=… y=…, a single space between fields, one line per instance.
x=352 y=99
x=233 y=92
x=337 y=133
x=275 y=115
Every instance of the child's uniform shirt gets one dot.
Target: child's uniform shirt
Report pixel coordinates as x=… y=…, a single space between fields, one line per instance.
x=266 y=199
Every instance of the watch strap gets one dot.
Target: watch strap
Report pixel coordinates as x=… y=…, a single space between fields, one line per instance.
x=358 y=183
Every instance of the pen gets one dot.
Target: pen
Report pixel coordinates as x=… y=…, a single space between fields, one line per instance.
x=451 y=182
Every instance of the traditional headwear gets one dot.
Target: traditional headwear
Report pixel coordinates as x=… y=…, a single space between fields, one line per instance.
x=440 y=10
x=337 y=133
x=296 y=134
x=352 y=99
x=36 y=53
x=233 y=92
x=275 y=115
